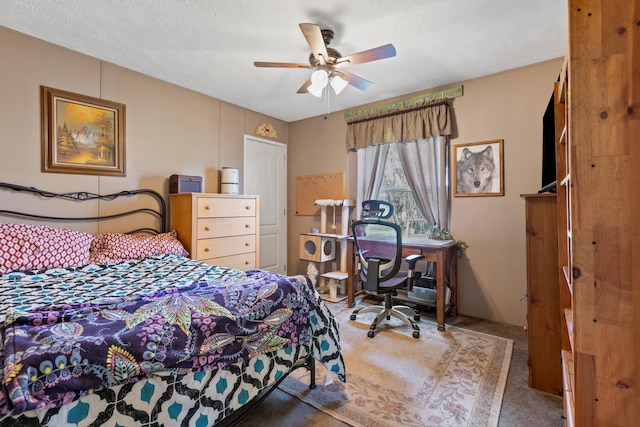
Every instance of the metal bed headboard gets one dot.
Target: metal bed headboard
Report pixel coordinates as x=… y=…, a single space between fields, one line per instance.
x=160 y=212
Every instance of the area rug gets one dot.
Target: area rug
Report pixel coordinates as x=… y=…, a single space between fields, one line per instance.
x=451 y=378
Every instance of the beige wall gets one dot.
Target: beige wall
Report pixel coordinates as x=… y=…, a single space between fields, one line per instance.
x=169 y=129
x=174 y=130
x=508 y=106
x=505 y=106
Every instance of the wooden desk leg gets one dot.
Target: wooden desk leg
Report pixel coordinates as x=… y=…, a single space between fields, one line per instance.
x=440 y=303
x=350 y=278
x=453 y=280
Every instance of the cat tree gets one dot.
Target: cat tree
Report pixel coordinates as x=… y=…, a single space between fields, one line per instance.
x=320 y=247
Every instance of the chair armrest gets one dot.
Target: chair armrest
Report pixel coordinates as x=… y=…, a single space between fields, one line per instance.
x=413 y=259
x=373 y=274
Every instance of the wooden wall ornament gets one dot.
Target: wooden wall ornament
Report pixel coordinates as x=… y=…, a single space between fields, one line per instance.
x=265 y=129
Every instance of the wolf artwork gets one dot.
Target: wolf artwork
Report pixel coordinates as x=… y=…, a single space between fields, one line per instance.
x=475 y=171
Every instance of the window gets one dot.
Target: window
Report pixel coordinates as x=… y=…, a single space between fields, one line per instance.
x=395 y=189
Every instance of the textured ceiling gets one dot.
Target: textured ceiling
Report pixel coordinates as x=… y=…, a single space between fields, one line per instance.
x=210 y=46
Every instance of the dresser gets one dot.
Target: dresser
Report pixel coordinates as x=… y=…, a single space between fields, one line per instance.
x=220 y=229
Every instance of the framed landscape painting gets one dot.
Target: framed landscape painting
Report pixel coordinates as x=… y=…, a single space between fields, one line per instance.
x=81 y=134
x=478 y=169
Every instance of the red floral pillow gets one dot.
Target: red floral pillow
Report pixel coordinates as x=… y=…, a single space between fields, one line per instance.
x=110 y=248
x=35 y=247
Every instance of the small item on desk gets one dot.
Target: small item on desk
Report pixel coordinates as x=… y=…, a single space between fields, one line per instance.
x=315 y=230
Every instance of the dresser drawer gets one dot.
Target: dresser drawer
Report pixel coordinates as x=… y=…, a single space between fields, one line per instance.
x=239 y=262
x=223 y=227
x=209 y=207
x=225 y=246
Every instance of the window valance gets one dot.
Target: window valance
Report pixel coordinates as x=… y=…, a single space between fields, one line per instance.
x=402 y=125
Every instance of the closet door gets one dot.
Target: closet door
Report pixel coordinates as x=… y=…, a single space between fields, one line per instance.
x=265 y=175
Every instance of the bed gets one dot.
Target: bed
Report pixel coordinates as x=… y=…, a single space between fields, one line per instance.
x=126 y=329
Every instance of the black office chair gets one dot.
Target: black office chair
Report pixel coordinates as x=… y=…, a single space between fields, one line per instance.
x=379 y=245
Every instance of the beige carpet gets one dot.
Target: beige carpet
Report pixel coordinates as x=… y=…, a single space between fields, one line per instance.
x=451 y=378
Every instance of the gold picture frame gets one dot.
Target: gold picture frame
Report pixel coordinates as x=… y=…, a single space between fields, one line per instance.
x=478 y=169
x=82 y=134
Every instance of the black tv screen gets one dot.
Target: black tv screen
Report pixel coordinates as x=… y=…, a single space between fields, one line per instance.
x=549 y=147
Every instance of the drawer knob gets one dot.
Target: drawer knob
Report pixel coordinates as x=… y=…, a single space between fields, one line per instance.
x=246 y=244
x=206 y=229
x=247 y=225
x=206 y=207
x=247 y=207
x=246 y=263
x=206 y=249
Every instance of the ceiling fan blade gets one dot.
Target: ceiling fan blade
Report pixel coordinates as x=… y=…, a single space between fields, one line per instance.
x=305 y=86
x=314 y=38
x=381 y=52
x=280 y=65
x=354 y=80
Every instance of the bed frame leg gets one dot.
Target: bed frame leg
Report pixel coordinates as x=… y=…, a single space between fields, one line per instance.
x=311 y=366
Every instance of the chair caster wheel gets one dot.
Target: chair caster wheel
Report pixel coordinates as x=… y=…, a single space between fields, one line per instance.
x=416 y=318
x=416 y=334
x=352 y=317
x=370 y=334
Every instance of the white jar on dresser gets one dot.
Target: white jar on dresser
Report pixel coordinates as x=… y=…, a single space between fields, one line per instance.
x=220 y=229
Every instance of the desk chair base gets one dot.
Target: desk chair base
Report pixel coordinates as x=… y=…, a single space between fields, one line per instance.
x=387 y=311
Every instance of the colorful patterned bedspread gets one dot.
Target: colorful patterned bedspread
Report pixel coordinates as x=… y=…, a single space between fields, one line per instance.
x=214 y=319
x=23 y=290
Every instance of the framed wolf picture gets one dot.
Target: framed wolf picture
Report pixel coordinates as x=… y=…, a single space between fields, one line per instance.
x=478 y=169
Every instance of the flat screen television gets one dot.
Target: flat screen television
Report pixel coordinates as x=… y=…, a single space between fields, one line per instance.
x=549 y=149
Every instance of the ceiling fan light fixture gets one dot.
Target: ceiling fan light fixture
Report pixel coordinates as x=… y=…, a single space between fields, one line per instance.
x=319 y=80
x=315 y=91
x=338 y=83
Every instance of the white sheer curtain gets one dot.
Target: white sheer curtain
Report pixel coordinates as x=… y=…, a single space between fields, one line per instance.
x=425 y=166
x=371 y=163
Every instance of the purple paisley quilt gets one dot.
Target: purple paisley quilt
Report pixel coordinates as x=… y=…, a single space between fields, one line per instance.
x=53 y=354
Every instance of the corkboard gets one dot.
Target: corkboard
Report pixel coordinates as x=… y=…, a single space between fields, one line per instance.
x=312 y=187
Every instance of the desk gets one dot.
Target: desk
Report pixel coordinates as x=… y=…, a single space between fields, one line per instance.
x=437 y=253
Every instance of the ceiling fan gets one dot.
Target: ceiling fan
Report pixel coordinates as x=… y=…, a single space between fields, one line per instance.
x=328 y=64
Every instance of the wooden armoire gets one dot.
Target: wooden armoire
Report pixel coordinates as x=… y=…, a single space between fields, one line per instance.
x=597 y=104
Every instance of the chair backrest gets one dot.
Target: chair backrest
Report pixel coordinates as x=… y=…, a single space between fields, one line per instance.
x=378 y=240
x=380 y=209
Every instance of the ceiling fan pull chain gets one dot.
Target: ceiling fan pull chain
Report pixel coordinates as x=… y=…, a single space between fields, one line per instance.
x=326 y=88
